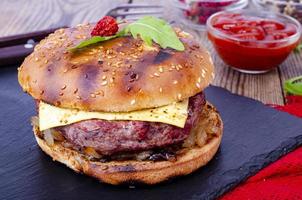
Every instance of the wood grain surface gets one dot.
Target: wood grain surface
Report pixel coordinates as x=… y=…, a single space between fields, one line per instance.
x=29 y=15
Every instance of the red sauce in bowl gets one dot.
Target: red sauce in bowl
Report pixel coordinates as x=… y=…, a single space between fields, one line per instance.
x=251 y=43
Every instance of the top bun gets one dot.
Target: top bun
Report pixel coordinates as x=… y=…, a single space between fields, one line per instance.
x=119 y=75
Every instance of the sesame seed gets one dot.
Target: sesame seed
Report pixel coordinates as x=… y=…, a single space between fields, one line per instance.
x=104 y=83
x=151 y=76
x=160 y=89
x=199 y=79
x=161 y=70
x=46 y=61
x=196 y=46
x=213 y=75
x=78 y=97
x=198 y=85
x=61 y=94
x=175 y=82
x=65 y=70
x=101 y=92
x=203 y=71
x=108 y=51
x=179 y=96
x=36 y=59
x=104 y=77
x=156 y=74
x=75 y=91
x=63 y=87
x=203 y=75
x=58 y=58
x=132 y=102
x=104 y=167
x=41 y=92
x=111 y=80
x=92 y=95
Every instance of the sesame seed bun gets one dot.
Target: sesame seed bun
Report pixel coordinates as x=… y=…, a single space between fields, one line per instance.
x=118 y=75
x=147 y=172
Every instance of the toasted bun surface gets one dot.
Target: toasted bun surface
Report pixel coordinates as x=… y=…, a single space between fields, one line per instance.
x=121 y=74
x=148 y=172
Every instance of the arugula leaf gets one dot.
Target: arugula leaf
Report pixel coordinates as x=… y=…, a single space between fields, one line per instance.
x=96 y=39
x=150 y=28
x=294 y=86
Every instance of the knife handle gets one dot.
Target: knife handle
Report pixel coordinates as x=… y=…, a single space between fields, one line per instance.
x=23 y=38
x=14 y=54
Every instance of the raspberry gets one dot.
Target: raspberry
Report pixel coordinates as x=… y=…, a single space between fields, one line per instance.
x=107 y=26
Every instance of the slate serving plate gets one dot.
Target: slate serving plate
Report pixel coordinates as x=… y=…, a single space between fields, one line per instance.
x=254 y=136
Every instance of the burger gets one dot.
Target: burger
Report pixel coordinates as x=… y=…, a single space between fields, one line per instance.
x=120 y=108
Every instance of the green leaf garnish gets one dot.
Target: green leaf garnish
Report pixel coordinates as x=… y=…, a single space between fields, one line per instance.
x=96 y=39
x=298 y=48
x=294 y=86
x=149 y=29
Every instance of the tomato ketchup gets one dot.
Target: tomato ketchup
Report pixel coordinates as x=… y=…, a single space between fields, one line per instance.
x=253 y=43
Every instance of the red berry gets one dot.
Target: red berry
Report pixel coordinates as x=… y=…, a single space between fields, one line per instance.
x=107 y=26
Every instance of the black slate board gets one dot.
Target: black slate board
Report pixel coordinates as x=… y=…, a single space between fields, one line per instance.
x=254 y=136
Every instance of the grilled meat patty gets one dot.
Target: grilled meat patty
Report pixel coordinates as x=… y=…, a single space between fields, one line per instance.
x=109 y=137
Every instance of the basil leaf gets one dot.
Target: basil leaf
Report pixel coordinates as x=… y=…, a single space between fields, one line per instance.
x=294 y=86
x=153 y=29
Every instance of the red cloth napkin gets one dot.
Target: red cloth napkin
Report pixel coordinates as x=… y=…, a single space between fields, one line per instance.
x=280 y=180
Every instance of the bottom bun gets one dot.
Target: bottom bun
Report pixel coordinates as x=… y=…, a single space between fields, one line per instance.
x=147 y=172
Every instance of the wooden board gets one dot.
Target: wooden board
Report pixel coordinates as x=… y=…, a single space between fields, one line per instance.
x=254 y=136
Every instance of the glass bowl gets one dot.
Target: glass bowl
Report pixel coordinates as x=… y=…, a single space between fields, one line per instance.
x=196 y=12
x=254 y=54
x=292 y=8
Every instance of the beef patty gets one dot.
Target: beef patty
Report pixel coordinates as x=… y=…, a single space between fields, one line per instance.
x=109 y=137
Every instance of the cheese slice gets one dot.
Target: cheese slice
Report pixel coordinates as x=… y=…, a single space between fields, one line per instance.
x=50 y=116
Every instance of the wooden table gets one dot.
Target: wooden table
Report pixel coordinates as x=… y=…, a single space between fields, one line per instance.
x=29 y=15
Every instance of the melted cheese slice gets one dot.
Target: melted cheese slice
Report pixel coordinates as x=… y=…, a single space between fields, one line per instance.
x=50 y=116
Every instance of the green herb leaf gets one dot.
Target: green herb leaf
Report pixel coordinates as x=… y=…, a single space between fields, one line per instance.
x=298 y=48
x=150 y=28
x=96 y=39
x=294 y=86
